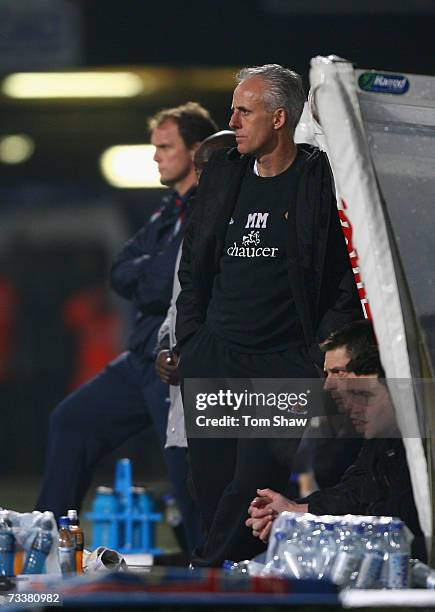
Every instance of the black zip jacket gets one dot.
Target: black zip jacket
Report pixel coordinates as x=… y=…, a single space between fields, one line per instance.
x=320 y=275
x=377 y=484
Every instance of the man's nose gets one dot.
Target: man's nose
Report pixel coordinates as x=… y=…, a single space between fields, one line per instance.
x=234 y=122
x=329 y=383
x=355 y=410
x=156 y=156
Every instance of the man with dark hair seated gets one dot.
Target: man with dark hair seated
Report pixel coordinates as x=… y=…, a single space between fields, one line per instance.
x=378 y=483
x=330 y=445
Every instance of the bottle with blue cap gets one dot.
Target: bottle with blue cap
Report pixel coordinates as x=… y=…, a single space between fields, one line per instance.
x=236 y=568
x=326 y=550
x=372 y=563
x=398 y=556
x=288 y=550
x=349 y=553
x=7 y=548
x=39 y=550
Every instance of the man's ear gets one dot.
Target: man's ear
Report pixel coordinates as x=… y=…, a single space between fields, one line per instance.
x=279 y=118
x=194 y=149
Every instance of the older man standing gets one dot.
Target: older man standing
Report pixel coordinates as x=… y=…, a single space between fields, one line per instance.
x=264 y=276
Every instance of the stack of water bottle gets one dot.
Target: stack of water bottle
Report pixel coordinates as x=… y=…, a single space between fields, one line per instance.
x=357 y=552
x=351 y=551
x=30 y=543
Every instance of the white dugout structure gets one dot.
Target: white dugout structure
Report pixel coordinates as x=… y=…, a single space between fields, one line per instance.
x=378 y=129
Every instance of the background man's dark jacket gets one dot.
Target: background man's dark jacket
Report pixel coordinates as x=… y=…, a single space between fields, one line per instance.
x=377 y=484
x=320 y=275
x=143 y=272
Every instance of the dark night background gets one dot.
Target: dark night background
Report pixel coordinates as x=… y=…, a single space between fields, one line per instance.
x=245 y=32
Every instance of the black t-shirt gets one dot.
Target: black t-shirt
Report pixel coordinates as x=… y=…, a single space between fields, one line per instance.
x=251 y=304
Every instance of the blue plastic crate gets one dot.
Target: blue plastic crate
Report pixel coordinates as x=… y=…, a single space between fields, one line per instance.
x=118 y=517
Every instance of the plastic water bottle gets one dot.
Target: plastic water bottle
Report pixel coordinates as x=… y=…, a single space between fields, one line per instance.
x=272 y=546
x=326 y=549
x=66 y=547
x=39 y=550
x=142 y=500
x=19 y=550
x=104 y=528
x=385 y=522
x=349 y=554
x=78 y=539
x=236 y=568
x=124 y=484
x=398 y=556
x=294 y=548
x=422 y=576
x=280 y=548
x=275 y=564
x=142 y=506
x=369 y=575
x=309 y=540
x=7 y=548
x=289 y=551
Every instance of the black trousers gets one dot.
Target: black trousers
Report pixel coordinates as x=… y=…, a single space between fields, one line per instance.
x=227 y=472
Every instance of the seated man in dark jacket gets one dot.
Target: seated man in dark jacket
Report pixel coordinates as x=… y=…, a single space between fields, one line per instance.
x=378 y=483
x=330 y=444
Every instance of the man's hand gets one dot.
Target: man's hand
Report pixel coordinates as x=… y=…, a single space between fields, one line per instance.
x=261 y=527
x=271 y=502
x=166 y=367
x=265 y=508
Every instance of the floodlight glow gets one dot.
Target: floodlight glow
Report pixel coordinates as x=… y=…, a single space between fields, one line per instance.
x=16 y=148
x=74 y=85
x=130 y=166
